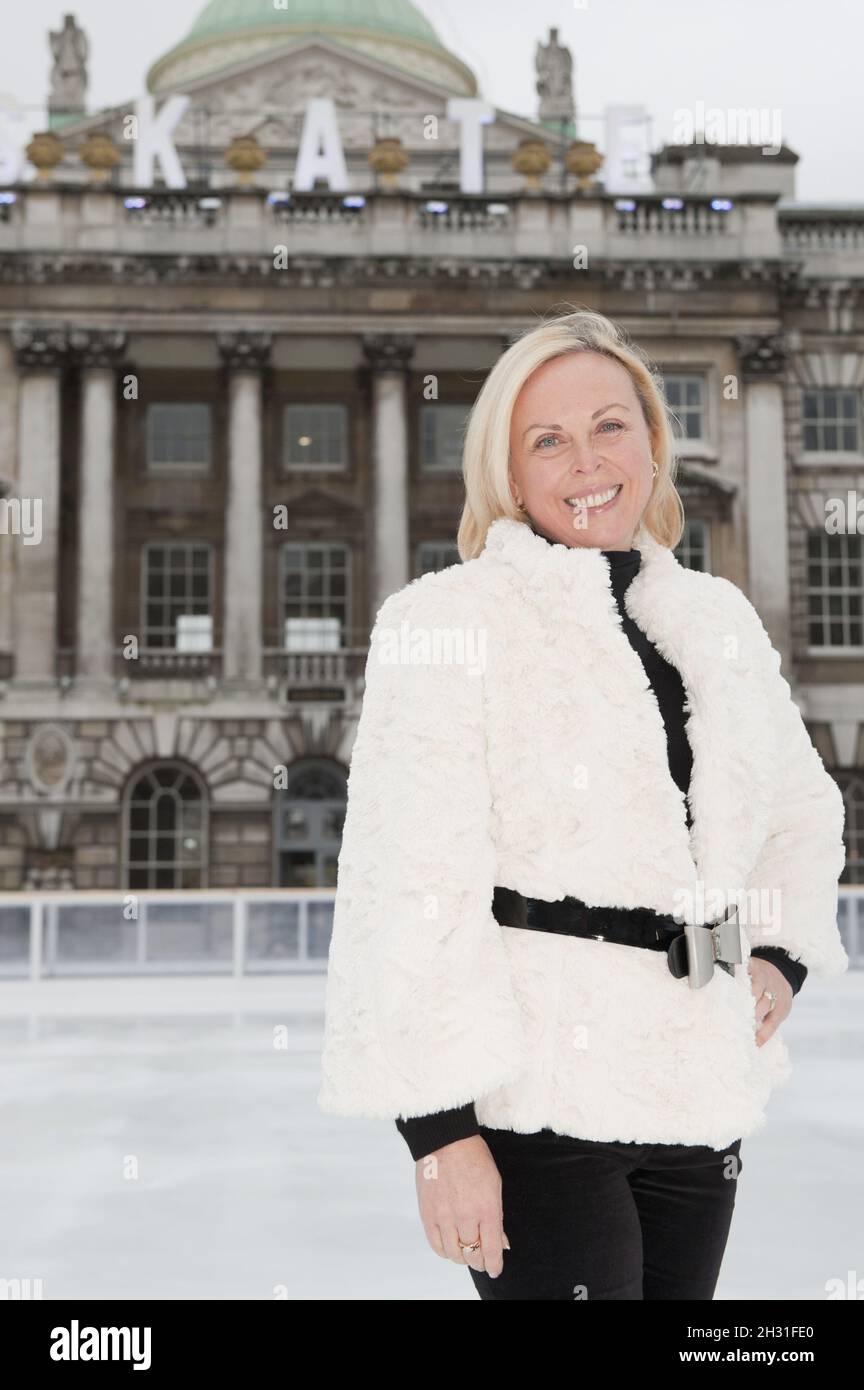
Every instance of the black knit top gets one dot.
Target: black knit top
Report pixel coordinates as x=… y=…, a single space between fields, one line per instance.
x=425 y=1133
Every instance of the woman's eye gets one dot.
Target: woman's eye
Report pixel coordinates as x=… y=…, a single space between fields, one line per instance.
x=555 y=439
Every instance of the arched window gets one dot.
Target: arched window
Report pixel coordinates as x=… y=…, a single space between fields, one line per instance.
x=851 y=784
x=165 y=828
x=310 y=813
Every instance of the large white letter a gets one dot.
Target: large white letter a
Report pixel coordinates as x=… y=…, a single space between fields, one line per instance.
x=320 y=155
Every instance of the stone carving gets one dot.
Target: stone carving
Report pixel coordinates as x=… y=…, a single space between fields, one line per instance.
x=761 y=357
x=50 y=759
x=245 y=350
x=273 y=131
x=281 y=92
x=38 y=345
x=393 y=94
x=426 y=64
x=49 y=821
x=294 y=89
x=70 y=51
x=350 y=271
x=56 y=878
x=388 y=352
x=554 y=68
x=97 y=347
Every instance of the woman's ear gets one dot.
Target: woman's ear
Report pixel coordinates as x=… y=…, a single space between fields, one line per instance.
x=514 y=491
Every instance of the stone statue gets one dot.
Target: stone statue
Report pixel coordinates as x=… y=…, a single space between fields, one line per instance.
x=554 y=67
x=70 y=50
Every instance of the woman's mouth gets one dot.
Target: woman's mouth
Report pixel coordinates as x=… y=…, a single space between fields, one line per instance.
x=595 y=501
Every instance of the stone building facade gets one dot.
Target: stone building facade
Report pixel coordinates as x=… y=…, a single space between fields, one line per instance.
x=240 y=402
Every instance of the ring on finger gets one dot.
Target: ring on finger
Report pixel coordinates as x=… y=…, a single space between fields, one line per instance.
x=769 y=993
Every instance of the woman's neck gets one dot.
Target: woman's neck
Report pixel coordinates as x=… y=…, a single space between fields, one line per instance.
x=618 y=555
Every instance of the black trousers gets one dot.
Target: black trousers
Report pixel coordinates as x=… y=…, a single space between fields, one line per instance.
x=591 y=1220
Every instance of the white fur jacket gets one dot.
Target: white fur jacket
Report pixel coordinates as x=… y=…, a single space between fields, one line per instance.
x=509 y=736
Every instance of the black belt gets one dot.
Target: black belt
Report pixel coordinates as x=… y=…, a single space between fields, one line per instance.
x=624 y=926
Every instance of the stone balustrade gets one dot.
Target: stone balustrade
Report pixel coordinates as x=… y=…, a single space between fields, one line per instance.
x=123 y=222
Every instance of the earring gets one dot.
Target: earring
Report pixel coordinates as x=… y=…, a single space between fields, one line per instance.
x=655 y=469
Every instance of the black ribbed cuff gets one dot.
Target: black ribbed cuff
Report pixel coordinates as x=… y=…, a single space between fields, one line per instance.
x=425 y=1133
x=794 y=970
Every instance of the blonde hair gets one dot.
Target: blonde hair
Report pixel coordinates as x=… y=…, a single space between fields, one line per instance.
x=486 y=454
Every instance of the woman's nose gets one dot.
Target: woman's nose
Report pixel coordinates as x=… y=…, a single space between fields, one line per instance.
x=584 y=458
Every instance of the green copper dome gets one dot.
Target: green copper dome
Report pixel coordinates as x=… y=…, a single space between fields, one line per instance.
x=394 y=17
x=227 y=32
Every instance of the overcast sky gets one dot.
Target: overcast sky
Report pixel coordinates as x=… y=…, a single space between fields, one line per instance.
x=799 y=58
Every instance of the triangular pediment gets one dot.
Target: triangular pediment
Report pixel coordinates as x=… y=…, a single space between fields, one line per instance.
x=269 y=93
x=317 y=67
x=693 y=475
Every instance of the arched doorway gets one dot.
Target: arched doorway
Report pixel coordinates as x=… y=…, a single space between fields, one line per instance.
x=310 y=814
x=851 y=783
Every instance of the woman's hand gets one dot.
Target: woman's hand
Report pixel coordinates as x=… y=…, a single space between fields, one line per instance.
x=459 y=1195
x=764 y=975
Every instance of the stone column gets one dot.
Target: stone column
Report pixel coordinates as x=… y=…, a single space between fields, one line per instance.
x=98 y=352
x=40 y=353
x=763 y=362
x=389 y=355
x=245 y=355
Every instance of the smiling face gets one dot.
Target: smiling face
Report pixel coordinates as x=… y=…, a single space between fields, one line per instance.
x=580 y=452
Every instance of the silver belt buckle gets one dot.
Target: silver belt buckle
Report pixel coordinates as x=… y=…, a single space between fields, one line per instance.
x=717 y=942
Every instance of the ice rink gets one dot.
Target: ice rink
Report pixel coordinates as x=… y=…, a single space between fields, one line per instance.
x=156 y=1144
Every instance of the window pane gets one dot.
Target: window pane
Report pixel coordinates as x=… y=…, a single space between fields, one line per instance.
x=166 y=828
x=179 y=576
x=314 y=436
x=178 y=435
x=835 y=597
x=442 y=429
x=314 y=584
x=832 y=420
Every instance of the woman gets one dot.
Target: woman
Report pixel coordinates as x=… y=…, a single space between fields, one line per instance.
x=568 y=924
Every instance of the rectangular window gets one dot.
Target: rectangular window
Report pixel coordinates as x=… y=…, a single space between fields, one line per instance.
x=314 y=585
x=835 y=590
x=692 y=549
x=685 y=393
x=194 y=632
x=314 y=436
x=436 y=555
x=176 y=594
x=832 y=421
x=442 y=436
x=178 y=436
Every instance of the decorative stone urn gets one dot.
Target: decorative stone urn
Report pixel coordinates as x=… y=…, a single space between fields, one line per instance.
x=583 y=160
x=245 y=156
x=100 y=155
x=531 y=159
x=388 y=158
x=45 y=151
